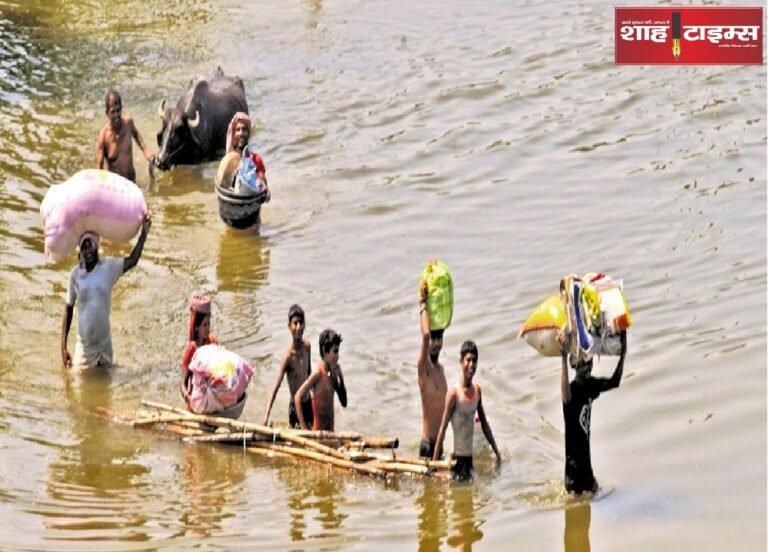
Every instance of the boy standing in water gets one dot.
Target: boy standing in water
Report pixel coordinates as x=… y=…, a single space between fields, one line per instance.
x=297 y=366
x=323 y=382
x=432 y=384
x=461 y=403
x=116 y=140
x=577 y=413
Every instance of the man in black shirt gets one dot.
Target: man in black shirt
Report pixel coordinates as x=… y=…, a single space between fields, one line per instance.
x=577 y=412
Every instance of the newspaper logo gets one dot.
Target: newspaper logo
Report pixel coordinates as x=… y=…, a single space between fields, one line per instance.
x=689 y=36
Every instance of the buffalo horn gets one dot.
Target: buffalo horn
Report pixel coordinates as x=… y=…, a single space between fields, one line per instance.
x=161 y=109
x=193 y=122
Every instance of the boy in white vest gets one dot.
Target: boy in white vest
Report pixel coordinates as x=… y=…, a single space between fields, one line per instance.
x=461 y=403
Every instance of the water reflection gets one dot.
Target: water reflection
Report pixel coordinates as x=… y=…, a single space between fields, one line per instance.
x=212 y=478
x=312 y=490
x=448 y=511
x=577 y=521
x=466 y=528
x=431 y=505
x=96 y=486
x=243 y=262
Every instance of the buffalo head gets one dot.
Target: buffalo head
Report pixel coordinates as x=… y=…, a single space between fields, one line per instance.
x=176 y=138
x=195 y=130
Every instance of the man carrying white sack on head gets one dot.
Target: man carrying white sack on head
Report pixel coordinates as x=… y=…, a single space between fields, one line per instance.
x=90 y=286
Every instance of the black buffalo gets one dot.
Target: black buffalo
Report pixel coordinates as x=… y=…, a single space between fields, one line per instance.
x=196 y=129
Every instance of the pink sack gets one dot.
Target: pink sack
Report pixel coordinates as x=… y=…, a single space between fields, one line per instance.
x=91 y=200
x=219 y=379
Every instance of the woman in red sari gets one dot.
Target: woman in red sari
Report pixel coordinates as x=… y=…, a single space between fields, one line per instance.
x=199 y=335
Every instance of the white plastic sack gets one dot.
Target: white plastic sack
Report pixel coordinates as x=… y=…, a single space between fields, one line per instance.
x=91 y=200
x=219 y=379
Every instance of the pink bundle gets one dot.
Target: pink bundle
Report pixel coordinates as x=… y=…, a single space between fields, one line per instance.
x=90 y=201
x=219 y=379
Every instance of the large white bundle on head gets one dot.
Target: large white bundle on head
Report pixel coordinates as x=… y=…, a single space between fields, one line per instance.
x=91 y=200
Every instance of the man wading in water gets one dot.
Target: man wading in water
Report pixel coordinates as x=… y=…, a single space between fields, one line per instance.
x=432 y=382
x=577 y=412
x=116 y=140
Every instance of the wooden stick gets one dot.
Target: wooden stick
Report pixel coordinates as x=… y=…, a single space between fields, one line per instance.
x=375 y=442
x=160 y=420
x=435 y=464
x=400 y=467
x=321 y=434
x=369 y=442
x=161 y=406
x=380 y=442
x=183 y=431
x=250 y=426
x=319 y=457
x=229 y=437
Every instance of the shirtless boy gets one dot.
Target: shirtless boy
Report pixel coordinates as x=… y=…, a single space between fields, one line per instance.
x=461 y=403
x=115 y=140
x=323 y=382
x=432 y=384
x=296 y=365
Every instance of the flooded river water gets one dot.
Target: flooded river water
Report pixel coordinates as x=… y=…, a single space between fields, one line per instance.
x=498 y=136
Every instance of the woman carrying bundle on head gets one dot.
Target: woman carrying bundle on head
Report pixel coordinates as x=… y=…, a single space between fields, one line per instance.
x=199 y=335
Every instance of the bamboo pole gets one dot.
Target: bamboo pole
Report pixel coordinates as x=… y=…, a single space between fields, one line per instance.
x=436 y=464
x=161 y=406
x=258 y=437
x=322 y=434
x=177 y=420
x=250 y=426
x=401 y=467
x=149 y=420
x=228 y=437
x=324 y=458
x=184 y=431
x=380 y=442
x=352 y=436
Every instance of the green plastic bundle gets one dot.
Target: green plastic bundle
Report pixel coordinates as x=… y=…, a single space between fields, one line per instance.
x=439 y=294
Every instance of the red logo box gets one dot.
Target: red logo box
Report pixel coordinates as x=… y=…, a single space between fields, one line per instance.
x=688 y=36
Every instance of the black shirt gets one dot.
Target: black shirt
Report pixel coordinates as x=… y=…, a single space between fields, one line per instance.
x=577 y=415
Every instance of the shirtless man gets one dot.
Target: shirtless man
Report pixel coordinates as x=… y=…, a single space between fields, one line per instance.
x=432 y=382
x=115 y=140
x=323 y=383
x=297 y=366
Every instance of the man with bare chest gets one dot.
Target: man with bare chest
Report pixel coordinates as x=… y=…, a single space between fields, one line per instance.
x=432 y=382
x=296 y=365
x=115 y=143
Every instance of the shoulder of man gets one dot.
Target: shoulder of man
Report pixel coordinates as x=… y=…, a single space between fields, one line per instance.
x=112 y=265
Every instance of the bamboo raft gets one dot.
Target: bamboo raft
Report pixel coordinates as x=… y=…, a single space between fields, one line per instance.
x=344 y=450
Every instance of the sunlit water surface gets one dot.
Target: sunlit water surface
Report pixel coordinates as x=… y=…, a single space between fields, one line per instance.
x=497 y=136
